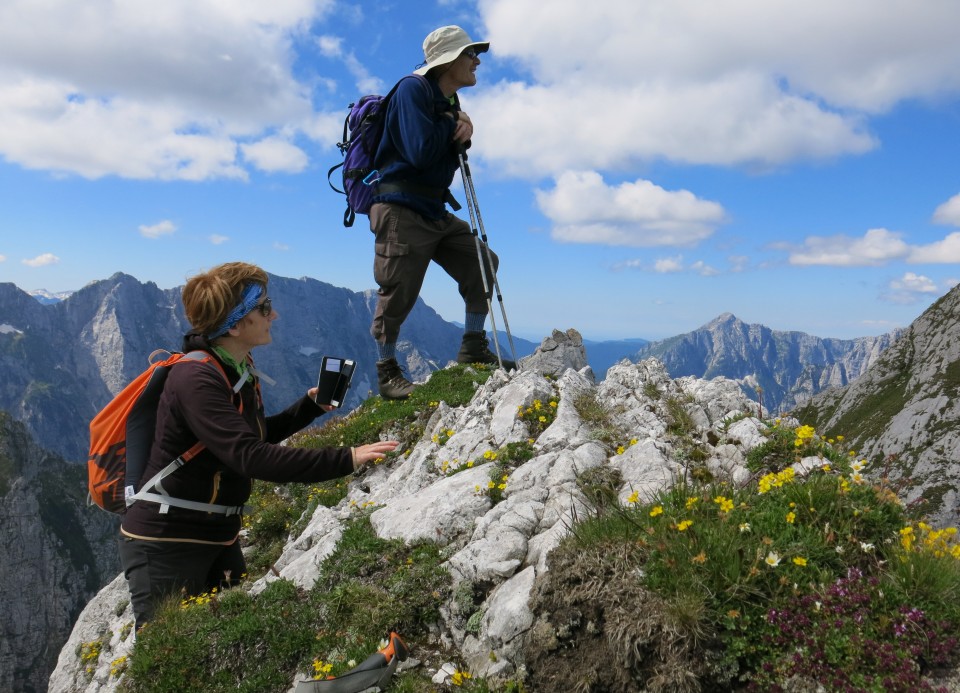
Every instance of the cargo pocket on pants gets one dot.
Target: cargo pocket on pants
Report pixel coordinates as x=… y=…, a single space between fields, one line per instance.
x=388 y=263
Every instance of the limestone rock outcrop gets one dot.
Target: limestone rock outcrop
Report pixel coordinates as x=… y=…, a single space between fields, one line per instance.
x=496 y=549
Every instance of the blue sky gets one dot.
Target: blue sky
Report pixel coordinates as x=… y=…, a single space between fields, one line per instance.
x=641 y=166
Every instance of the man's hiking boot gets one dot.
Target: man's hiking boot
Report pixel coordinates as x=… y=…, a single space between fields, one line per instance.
x=391 y=381
x=475 y=348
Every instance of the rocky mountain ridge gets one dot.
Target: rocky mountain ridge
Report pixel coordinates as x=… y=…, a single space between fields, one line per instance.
x=56 y=556
x=783 y=369
x=903 y=414
x=60 y=363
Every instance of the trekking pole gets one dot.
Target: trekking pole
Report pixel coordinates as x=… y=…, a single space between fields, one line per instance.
x=479 y=233
x=472 y=211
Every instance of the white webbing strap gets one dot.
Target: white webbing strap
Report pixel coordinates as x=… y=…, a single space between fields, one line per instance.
x=262 y=376
x=165 y=500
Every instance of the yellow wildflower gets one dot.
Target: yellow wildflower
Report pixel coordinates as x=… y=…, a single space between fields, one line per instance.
x=726 y=505
x=907 y=537
x=321 y=668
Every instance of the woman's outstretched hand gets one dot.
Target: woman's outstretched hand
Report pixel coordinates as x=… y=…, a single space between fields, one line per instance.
x=372 y=452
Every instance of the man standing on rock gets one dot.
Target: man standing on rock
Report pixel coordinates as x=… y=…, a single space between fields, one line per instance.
x=424 y=132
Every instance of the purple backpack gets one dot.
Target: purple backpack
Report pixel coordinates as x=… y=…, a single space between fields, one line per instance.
x=362 y=131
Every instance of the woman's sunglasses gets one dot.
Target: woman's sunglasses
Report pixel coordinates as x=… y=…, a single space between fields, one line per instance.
x=265 y=308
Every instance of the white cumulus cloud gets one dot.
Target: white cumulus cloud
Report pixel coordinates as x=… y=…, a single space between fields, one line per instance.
x=332 y=47
x=703 y=269
x=672 y=265
x=147 y=91
x=909 y=288
x=949 y=212
x=275 y=155
x=849 y=54
x=875 y=248
x=668 y=265
x=945 y=251
x=584 y=209
x=747 y=82
x=41 y=260
x=163 y=228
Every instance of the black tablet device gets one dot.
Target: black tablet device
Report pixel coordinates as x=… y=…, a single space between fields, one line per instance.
x=334 y=380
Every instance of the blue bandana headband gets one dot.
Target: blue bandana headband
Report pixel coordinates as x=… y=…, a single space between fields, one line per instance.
x=248 y=301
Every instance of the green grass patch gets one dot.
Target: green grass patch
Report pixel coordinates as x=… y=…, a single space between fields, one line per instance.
x=762 y=561
x=600 y=419
x=679 y=421
x=280 y=511
x=402 y=420
x=236 y=642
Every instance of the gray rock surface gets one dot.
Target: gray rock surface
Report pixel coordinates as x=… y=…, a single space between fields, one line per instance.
x=496 y=548
x=56 y=551
x=903 y=415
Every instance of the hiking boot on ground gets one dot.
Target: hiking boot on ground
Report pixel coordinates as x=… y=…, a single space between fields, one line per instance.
x=475 y=348
x=391 y=381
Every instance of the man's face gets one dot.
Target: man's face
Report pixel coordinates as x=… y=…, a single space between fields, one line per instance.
x=463 y=70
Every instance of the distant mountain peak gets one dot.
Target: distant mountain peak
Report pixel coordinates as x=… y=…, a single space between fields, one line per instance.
x=790 y=367
x=724 y=319
x=47 y=297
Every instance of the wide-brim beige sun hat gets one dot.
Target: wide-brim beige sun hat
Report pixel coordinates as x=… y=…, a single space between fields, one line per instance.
x=444 y=45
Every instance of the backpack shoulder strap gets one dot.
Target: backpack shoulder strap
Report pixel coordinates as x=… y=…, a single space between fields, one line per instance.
x=424 y=82
x=156 y=482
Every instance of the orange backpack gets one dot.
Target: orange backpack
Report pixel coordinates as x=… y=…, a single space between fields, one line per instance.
x=121 y=436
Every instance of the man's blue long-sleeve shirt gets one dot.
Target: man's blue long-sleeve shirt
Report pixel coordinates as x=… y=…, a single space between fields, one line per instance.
x=417 y=145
